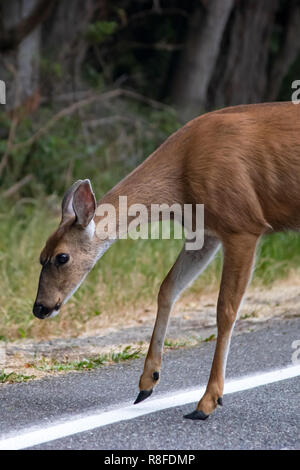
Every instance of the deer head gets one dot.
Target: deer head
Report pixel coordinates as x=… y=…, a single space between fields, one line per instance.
x=69 y=253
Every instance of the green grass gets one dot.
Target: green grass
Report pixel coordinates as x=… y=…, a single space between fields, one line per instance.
x=13 y=377
x=209 y=338
x=276 y=256
x=127 y=277
x=130 y=273
x=54 y=365
x=127 y=354
x=172 y=344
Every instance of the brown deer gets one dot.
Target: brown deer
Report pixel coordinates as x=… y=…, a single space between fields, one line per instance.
x=243 y=164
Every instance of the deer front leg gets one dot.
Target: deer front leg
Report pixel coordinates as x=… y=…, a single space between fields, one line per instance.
x=239 y=251
x=151 y=374
x=188 y=265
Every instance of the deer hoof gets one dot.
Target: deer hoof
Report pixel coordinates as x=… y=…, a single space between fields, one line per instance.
x=197 y=414
x=143 y=395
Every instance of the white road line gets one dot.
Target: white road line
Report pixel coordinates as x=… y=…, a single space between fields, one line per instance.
x=80 y=423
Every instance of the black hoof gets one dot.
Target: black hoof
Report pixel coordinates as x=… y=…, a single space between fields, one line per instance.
x=220 y=401
x=197 y=415
x=143 y=395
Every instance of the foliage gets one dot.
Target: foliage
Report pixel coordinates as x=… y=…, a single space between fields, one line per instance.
x=90 y=363
x=100 y=30
x=136 y=45
x=72 y=151
x=12 y=377
x=127 y=278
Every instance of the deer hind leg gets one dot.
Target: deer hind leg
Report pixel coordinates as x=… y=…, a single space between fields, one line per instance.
x=187 y=267
x=239 y=251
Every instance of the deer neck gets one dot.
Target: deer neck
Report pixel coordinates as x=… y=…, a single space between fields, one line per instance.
x=157 y=180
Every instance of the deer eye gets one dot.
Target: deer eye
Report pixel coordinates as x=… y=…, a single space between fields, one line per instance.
x=62 y=258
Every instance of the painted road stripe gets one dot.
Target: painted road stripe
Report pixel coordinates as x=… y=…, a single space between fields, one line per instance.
x=76 y=424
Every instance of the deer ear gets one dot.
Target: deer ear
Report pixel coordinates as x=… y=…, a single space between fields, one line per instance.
x=84 y=203
x=67 y=202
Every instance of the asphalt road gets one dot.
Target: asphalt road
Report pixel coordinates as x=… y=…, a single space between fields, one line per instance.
x=264 y=417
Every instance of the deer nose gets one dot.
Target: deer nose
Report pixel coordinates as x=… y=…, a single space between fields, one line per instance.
x=40 y=311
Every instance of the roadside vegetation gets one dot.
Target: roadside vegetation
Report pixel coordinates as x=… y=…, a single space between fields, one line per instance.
x=13 y=377
x=44 y=366
x=128 y=276
x=95 y=96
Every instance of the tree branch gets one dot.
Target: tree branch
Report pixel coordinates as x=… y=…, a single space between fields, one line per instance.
x=15 y=187
x=14 y=36
x=11 y=136
x=85 y=102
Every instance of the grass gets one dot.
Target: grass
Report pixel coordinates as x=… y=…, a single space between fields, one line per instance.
x=53 y=365
x=127 y=278
x=13 y=377
x=209 y=338
x=277 y=255
x=171 y=344
x=50 y=365
x=129 y=275
x=90 y=363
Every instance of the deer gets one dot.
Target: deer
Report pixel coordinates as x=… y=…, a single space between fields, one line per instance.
x=242 y=163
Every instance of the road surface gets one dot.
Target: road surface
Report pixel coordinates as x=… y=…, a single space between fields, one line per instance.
x=93 y=410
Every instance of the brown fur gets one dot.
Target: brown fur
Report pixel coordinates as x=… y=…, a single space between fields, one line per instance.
x=243 y=164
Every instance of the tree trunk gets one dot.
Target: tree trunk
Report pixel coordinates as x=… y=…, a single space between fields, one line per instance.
x=241 y=74
x=288 y=52
x=199 y=56
x=28 y=58
x=64 y=43
x=10 y=38
x=20 y=68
